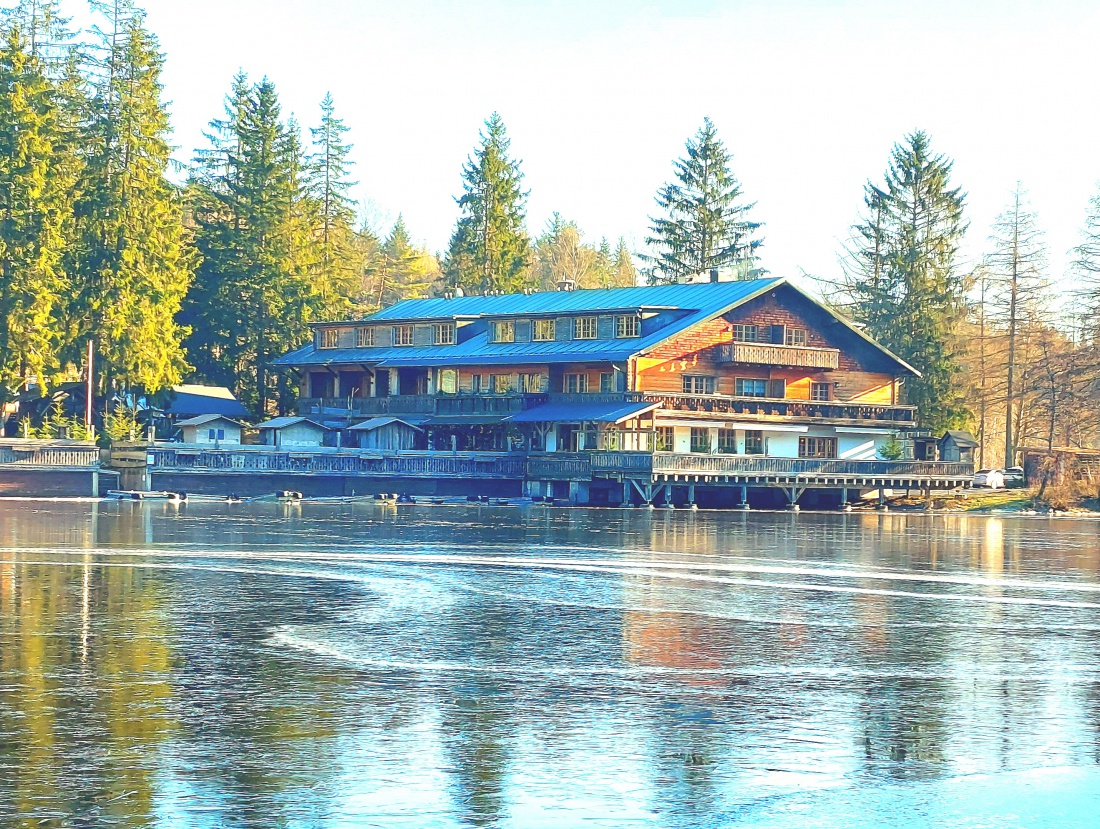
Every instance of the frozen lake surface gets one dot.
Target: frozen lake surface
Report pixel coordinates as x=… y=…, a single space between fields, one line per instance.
x=357 y=665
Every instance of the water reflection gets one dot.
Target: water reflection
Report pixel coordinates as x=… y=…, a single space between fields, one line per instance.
x=211 y=665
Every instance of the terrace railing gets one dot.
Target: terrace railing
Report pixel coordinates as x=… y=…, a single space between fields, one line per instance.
x=57 y=454
x=742 y=465
x=784 y=409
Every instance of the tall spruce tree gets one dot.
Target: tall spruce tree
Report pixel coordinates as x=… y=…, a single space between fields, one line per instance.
x=624 y=272
x=45 y=29
x=402 y=270
x=490 y=249
x=1018 y=263
x=704 y=223
x=902 y=277
x=255 y=291
x=37 y=180
x=133 y=265
x=339 y=270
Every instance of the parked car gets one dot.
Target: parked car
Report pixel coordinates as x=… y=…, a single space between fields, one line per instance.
x=992 y=478
x=1014 y=477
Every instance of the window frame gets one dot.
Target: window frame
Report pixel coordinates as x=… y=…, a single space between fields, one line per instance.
x=814 y=447
x=727 y=442
x=530 y=383
x=452 y=374
x=398 y=338
x=742 y=336
x=628 y=327
x=739 y=387
x=364 y=337
x=815 y=387
x=496 y=329
x=664 y=439
x=698 y=383
x=330 y=339
x=697 y=432
x=500 y=383
x=607 y=382
x=793 y=334
x=755 y=442
x=549 y=326
x=439 y=328
x=581 y=380
x=586 y=328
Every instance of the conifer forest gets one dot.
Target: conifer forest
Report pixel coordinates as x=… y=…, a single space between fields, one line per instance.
x=206 y=272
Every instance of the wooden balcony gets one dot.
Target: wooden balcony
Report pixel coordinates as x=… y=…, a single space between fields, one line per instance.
x=787 y=356
x=750 y=469
x=763 y=409
x=559 y=466
x=486 y=404
x=368 y=406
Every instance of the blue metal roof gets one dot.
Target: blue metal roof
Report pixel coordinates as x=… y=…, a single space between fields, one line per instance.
x=700 y=301
x=594 y=300
x=614 y=412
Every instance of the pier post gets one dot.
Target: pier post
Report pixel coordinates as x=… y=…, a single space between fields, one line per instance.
x=691 y=497
x=744 y=498
x=882 y=500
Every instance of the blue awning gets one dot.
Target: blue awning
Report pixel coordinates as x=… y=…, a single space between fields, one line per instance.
x=615 y=412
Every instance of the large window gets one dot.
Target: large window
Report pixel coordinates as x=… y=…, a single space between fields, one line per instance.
x=750 y=387
x=698 y=384
x=626 y=327
x=663 y=438
x=575 y=384
x=754 y=442
x=700 y=440
x=501 y=383
x=820 y=391
x=330 y=338
x=816 y=447
x=584 y=328
x=727 y=441
x=444 y=333
x=543 y=331
x=796 y=336
x=502 y=331
x=448 y=381
x=607 y=382
x=479 y=384
x=402 y=335
x=364 y=337
x=746 y=333
x=530 y=383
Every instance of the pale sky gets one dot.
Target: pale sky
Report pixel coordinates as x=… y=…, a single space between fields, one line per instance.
x=599 y=97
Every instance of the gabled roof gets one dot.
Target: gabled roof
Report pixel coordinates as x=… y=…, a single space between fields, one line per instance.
x=284 y=422
x=379 y=422
x=960 y=437
x=190 y=399
x=695 y=304
x=202 y=420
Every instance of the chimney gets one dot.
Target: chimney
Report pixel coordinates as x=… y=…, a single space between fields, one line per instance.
x=714 y=274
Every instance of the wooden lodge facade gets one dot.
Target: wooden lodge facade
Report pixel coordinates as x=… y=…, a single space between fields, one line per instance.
x=717 y=393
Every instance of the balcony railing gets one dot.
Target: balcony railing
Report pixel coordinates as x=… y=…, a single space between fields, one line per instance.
x=370 y=406
x=559 y=466
x=747 y=466
x=766 y=408
x=321 y=461
x=475 y=404
x=56 y=454
x=779 y=355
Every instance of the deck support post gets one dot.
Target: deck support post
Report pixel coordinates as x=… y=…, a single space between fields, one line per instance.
x=744 y=498
x=844 y=505
x=882 y=500
x=793 y=494
x=691 y=497
x=668 y=495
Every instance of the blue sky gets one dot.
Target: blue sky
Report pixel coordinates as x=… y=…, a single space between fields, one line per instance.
x=599 y=97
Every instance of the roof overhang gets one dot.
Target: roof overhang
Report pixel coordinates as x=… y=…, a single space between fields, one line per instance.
x=614 y=412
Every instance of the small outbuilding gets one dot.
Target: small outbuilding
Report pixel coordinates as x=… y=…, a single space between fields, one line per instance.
x=957 y=445
x=388 y=434
x=211 y=429
x=295 y=432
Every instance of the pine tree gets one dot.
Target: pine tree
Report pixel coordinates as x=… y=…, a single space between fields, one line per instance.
x=902 y=278
x=36 y=185
x=402 y=270
x=45 y=30
x=133 y=263
x=625 y=274
x=1020 y=286
x=704 y=224
x=490 y=249
x=339 y=271
x=255 y=291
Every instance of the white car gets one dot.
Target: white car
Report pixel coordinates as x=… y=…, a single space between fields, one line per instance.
x=992 y=478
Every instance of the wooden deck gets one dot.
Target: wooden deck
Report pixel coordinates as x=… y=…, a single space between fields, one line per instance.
x=53 y=455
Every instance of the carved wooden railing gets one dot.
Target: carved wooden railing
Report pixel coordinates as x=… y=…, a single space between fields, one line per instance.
x=779 y=355
x=559 y=466
x=784 y=409
x=741 y=465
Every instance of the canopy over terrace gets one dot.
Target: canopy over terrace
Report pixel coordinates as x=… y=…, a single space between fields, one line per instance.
x=559 y=426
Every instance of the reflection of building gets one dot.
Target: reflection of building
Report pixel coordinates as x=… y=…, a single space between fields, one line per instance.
x=617 y=394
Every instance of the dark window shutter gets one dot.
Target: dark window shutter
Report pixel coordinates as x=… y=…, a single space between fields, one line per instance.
x=779 y=334
x=777 y=388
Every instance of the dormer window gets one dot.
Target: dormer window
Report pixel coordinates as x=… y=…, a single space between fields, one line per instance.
x=544 y=331
x=444 y=333
x=628 y=327
x=364 y=337
x=502 y=331
x=746 y=333
x=402 y=335
x=584 y=328
x=330 y=338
